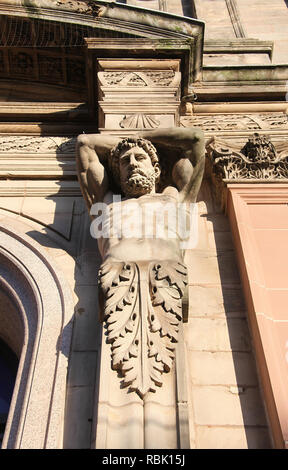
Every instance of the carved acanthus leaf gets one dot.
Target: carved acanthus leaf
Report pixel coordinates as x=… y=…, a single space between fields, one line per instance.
x=257 y=159
x=142 y=313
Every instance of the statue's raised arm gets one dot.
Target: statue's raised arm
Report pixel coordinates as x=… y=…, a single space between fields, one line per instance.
x=133 y=163
x=189 y=145
x=92 y=153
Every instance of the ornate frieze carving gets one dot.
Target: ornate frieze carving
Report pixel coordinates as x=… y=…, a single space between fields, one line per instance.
x=257 y=159
x=142 y=313
x=161 y=78
x=237 y=122
x=31 y=144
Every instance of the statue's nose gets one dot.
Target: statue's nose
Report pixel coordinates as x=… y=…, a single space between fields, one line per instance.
x=133 y=161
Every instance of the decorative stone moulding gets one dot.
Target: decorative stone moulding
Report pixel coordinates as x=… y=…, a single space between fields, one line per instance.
x=234 y=122
x=258 y=159
x=143 y=309
x=139 y=121
x=138 y=94
x=45 y=307
x=22 y=156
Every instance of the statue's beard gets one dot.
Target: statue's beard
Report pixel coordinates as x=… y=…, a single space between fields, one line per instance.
x=138 y=183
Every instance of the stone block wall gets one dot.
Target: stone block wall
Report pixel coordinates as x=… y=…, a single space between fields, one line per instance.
x=226 y=407
x=225 y=402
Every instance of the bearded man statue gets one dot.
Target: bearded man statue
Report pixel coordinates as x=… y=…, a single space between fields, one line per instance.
x=143 y=277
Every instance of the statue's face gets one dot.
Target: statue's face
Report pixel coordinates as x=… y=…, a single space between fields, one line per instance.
x=137 y=173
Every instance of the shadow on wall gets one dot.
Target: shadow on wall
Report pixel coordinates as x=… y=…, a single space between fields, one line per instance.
x=188 y=8
x=83 y=357
x=68 y=241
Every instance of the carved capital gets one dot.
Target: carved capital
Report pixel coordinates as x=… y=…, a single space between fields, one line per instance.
x=258 y=159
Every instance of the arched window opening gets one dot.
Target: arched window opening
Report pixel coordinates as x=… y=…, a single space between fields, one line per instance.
x=8 y=371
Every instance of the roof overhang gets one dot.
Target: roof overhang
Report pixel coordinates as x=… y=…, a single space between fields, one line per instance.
x=164 y=34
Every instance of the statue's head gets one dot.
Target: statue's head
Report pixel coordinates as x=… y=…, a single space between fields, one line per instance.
x=134 y=163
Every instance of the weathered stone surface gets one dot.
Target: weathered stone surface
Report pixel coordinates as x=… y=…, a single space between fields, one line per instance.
x=217 y=223
x=206 y=334
x=222 y=368
x=86 y=319
x=79 y=415
x=219 y=405
x=216 y=301
x=82 y=369
x=232 y=437
x=209 y=268
x=45 y=300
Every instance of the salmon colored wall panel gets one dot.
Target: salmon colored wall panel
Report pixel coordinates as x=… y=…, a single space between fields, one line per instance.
x=258 y=216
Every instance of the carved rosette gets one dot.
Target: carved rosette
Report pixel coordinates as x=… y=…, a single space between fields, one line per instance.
x=142 y=311
x=258 y=159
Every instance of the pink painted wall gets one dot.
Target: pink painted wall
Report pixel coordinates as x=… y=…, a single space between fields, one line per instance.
x=258 y=216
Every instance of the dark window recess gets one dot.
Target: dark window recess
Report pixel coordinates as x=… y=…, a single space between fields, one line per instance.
x=8 y=371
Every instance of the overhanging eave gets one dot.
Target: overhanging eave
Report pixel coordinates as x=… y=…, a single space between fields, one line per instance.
x=117 y=18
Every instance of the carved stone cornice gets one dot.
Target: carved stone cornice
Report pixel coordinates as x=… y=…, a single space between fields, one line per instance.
x=257 y=160
x=30 y=156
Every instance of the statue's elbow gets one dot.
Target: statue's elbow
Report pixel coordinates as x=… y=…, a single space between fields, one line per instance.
x=198 y=135
x=81 y=140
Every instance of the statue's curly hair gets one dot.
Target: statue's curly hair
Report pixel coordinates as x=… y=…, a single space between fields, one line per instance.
x=123 y=146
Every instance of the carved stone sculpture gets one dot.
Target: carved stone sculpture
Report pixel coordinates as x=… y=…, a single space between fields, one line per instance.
x=143 y=277
x=257 y=159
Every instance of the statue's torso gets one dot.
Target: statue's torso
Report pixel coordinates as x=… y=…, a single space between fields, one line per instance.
x=144 y=228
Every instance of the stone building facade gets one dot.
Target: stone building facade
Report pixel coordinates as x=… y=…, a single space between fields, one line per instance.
x=78 y=66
